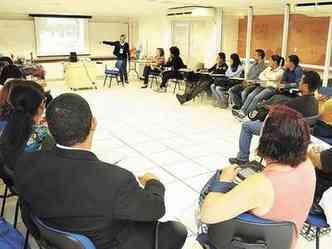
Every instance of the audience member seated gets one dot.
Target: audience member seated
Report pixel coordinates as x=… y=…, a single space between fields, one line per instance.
x=323 y=128
x=10 y=72
x=270 y=79
x=70 y=189
x=155 y=67
x=25 y=129
x=204 y=81
x=239 y=93
x=306 y=104
x=284 y=191
x=293 y=74
x=175 y=63
x=218 y=89
x=322 y=160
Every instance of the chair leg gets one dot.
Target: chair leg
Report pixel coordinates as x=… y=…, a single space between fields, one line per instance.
x=4 y=201
x=174 y=89
x=105 y=80
x=317 y=237
x=110 y=84
x=17 y=208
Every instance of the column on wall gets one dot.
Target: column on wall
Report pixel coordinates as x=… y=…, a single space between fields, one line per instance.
x=285 y=31
x=219 y=27
x=248 y=39
x=328 y=54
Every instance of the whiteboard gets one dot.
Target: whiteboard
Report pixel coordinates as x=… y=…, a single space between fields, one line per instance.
x=17 y=37
x=105 y=31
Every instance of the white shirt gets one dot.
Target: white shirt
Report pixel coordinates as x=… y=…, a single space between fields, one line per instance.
x=69 y=148
x=272 y=76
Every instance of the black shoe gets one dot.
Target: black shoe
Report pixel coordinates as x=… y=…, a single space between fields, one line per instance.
x=235 y=112
x=145 y=86
x=182 y=99
x=237 y=161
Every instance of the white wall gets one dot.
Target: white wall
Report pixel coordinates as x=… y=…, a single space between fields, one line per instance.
x=156 y=31
x=230 y=34
x=18 y=38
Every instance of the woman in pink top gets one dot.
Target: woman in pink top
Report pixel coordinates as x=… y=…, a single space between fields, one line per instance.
x=284 y=191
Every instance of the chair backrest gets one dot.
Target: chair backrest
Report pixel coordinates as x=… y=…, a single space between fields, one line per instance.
x=10 y=71
x=6 y=59
x=60 y=239
x=311 y=121
x=251 y=232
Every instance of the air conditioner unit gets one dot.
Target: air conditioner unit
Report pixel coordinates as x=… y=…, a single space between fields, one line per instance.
x=191 y=12
x=314 y=8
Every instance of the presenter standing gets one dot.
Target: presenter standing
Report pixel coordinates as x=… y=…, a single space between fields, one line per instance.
x=122 y=53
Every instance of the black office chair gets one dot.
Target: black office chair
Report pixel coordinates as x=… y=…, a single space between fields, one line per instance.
x=55 y=238
x=10 y=71
x=251 y=232
x=6 y=59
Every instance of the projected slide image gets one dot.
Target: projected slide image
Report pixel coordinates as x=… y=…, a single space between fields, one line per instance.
x=60 y=36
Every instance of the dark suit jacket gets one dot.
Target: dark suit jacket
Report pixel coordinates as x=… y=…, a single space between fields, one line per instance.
x=117 y=47
x=72 y=190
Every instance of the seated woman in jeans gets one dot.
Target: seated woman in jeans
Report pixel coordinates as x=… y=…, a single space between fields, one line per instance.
x=284 y=191
x=155 y=67
x=271 y=77
x=218 y=89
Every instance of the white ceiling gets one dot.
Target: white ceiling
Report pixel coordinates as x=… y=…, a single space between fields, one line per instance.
x=132 y=8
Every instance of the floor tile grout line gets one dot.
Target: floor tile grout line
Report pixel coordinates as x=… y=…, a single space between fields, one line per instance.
x=157 y=164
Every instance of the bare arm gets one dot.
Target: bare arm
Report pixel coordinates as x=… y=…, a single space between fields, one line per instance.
x=255 y=192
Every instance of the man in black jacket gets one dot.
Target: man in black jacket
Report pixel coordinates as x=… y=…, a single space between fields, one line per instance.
x=68 y=188
x=122 y=53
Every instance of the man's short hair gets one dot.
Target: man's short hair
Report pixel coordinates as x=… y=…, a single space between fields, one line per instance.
x=69 y=119
x=294 y=59
x=312 y=79
x=261 y=53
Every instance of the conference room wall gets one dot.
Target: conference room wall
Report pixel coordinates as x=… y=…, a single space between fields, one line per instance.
x=156 y=31
x=18 y=38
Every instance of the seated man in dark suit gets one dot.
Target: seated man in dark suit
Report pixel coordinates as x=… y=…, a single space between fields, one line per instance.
x=68 y=188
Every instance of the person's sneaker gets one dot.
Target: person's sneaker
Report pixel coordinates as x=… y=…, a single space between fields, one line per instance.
x=241 y=115
x=235 y=160
x=127 y=82
x=235 y=112
x=182 y=99
x=145 y=86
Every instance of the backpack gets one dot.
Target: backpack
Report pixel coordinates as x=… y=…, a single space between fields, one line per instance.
x=10 y=238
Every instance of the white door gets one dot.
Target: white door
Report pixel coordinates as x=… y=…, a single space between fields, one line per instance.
x=181 y=39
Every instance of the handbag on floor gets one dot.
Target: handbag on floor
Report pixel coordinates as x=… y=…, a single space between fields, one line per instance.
x=10 y=238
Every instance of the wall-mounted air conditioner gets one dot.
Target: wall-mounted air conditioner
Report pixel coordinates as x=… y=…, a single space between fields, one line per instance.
x=191 y=12
x=314 y=8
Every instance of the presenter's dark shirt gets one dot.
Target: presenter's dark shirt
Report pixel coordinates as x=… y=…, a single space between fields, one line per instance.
x=121 y=51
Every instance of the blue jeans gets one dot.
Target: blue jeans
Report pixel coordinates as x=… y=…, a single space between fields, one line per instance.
x=255 y=97
x=248 y=130
x=218 y=93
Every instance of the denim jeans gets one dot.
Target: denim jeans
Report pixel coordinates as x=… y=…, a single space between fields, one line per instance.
x=248 y=130
x=255 y=97
x=216 y=93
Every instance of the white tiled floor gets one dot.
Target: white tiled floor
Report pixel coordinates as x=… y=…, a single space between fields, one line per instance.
x=147 y=131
